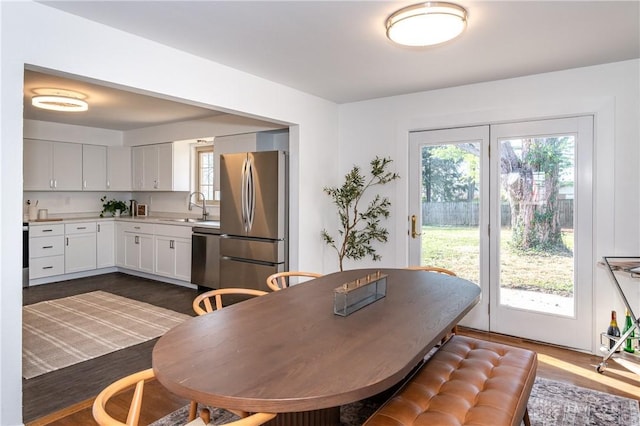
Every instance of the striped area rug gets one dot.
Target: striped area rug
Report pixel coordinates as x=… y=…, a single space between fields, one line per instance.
x=62 y=332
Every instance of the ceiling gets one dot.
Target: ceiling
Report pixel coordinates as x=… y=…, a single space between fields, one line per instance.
x=109 y=108
x=338 y=50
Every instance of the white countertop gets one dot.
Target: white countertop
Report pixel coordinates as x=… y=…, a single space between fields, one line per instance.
x=165 y=220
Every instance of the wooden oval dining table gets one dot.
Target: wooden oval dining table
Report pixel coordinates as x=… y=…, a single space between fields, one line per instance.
x=287 y=352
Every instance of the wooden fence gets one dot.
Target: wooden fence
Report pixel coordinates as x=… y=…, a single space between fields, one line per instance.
x=468 y=214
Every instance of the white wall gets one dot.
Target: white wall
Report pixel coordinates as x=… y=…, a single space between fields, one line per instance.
x=58 y=41
x=35 y=129
x=611 y=92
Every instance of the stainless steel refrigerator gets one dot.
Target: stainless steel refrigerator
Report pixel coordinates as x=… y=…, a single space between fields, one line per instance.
x=254 y=218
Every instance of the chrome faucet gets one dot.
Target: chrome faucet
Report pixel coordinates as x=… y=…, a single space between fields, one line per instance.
x=203 y=206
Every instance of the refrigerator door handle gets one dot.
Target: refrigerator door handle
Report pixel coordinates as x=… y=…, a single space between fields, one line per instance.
x=251 y=194
x=243 y=195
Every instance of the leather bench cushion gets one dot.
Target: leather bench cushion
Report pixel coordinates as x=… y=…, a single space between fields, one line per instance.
x=467 y=382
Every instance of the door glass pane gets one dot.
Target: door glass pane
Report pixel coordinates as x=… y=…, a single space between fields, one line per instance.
x=536 y=224
x=450 y=192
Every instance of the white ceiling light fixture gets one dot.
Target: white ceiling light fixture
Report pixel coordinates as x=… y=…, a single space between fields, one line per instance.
x=59 y=100
x=426 y=24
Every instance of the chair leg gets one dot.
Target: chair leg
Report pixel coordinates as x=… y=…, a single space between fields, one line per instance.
x=205 y=415
x=525 y=419
x=193 y=410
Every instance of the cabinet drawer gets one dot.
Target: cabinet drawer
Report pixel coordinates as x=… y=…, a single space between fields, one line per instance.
x=46 y=230
x=178 y=231
x=136 y=227
x=46 y=266
x=46 y=246
x=79 y=228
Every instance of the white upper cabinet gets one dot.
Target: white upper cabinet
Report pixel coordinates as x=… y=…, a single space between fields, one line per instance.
x=94 y=167
x=119 y=168
x=52 y=165
x=161 y=167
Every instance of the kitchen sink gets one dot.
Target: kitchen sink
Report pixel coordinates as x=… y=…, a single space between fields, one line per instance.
x=203 y=222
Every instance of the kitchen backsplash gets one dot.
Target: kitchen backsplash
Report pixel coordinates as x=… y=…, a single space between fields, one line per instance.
x=89 y=204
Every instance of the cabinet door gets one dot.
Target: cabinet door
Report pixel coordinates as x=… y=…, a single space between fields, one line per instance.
x=94 y=168
x=165 y=167
x=37 y=165
x=119 y=168
x=80 y=252
x=131 y=251
x=182 y=248
x=67 y=166
x=150 y=167
x=146 y=253
x=120 y=239
x=137 y=155
x=105 y=244
x=165 y=256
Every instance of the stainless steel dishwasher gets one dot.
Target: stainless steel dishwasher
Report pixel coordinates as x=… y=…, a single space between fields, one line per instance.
x=205 y=257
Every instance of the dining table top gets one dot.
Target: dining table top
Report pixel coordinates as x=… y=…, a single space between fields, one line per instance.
x=288 y=352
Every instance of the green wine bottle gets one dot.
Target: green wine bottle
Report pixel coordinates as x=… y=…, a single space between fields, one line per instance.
x=628 y=323
x=613 y=331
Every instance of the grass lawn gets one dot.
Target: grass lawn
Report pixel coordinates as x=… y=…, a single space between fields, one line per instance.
x=457 y=248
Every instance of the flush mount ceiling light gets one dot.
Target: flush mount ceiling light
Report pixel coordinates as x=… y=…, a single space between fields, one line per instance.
x=59 y=100
x=426 y=24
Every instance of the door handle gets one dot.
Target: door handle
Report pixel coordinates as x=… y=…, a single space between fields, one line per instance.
x=414 y=234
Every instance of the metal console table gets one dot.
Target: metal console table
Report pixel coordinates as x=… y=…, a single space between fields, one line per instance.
x=629 y=265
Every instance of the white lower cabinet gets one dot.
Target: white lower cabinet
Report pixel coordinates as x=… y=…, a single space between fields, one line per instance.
x=46 y=250
x=157 y=249
x=80 y=247
x=173 y=257
x=173 y=251
x=138 y=251
x=105 y=244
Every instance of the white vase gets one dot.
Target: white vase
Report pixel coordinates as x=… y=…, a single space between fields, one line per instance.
x=117 y=213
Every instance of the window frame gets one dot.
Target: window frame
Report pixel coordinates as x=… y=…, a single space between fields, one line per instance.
x=198 y=172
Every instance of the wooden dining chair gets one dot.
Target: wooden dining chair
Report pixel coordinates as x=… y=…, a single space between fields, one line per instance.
x=138 y=381
x=280 y=280
x=202 y=303
x=438 y=270
x=433 y=269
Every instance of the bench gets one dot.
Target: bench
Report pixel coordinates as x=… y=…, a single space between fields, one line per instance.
x=467 y=382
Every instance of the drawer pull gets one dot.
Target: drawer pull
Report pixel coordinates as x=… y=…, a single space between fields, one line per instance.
x=136 y=227
x=47 y=267
x=47 y=230
x=81 y=227
x=47 y=247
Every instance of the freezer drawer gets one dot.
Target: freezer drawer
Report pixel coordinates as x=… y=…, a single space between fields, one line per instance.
x=271 y=251
x=246 y=274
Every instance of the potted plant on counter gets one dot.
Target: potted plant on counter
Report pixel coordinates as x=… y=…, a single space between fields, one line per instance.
x=113 y=206
x=359 y=229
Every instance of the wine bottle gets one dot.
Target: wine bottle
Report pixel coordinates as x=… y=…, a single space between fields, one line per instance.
x=628 y=323
x=613 y=330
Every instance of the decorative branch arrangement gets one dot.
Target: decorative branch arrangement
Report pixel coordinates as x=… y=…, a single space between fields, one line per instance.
x=358 y=230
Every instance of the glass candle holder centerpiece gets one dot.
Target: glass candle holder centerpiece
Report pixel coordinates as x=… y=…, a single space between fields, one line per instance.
x=356 y=294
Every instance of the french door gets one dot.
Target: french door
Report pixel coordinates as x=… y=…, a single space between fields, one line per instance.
x=517 y=222
x=448 y=207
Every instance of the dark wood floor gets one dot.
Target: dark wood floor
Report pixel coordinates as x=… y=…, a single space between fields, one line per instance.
x=63 y=388
x=72 y=389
